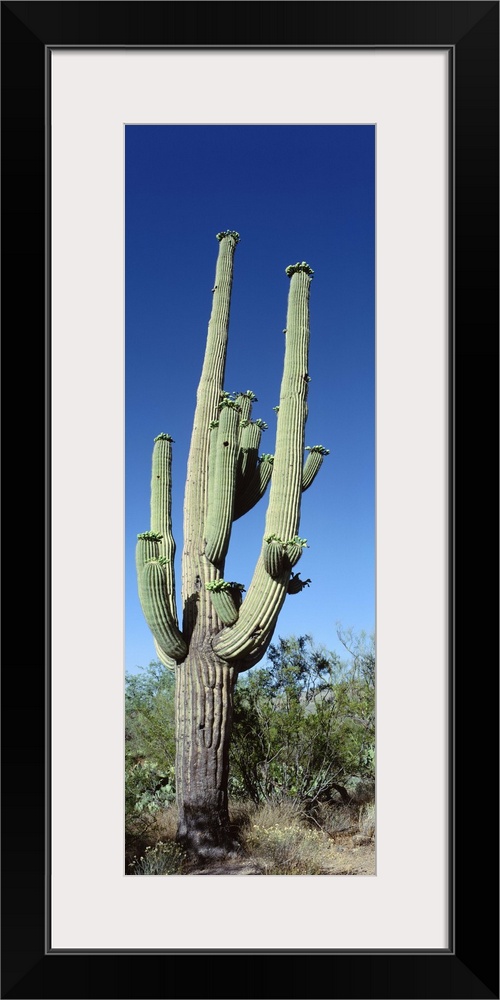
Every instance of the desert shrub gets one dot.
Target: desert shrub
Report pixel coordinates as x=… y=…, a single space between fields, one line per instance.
x=147 y=830
x=337 y=818
x=303 y=725
x=361 y=792
x=149 y=787
x=162 y=859
x=149 y=742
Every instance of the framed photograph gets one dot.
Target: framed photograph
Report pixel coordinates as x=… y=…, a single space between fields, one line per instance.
x=423 y=80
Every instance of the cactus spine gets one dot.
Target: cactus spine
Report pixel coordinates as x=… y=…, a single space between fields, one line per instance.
x=222 y=633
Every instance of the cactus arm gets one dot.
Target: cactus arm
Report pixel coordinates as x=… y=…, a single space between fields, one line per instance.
x=249 y=439
x=250 y=435
x=157 y=611
x=248 y=639
x=157 y=547
x=312 y=465
x=147 y=548
x=226 y=598
x=245 y=400
x=195 y=566
x=254 y=489
x=167 y=661
x=161 y=512
x=222 y=484
x=154 y=598
x=260 y=609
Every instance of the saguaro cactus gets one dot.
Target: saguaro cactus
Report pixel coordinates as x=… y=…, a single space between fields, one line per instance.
x=223 y=632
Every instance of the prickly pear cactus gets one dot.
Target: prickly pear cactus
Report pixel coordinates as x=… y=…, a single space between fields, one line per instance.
x=223 y=632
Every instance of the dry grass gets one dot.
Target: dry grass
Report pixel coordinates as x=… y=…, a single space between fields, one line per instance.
x=278 y=838
x=337 y=820
x=163 y=859
x=143 y=835
x=290 y=850
x=281 y=845
x=367 y=819
x=338 y=839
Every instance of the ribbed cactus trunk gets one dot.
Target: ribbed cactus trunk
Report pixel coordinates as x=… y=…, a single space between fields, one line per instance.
x=223 y=634
x=204 y=711
x=205 y=682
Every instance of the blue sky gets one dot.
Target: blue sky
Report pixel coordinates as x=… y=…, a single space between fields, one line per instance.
x=299 y=192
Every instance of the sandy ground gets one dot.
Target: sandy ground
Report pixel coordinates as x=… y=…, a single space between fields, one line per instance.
x=348 y=856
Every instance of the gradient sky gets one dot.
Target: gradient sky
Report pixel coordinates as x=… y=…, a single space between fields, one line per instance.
x=301 y=192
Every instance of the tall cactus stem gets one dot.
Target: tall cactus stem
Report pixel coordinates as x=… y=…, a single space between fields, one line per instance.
x=195 y=566
x=265 y=597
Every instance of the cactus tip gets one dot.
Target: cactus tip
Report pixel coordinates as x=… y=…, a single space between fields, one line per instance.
x=228 y=232
x=228 y=402
x=248 y=395
x=301 y=265
x=218 y=585
x=319 y=448
x=296 y=540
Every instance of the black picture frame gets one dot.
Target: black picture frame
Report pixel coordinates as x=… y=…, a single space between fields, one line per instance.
x=469 y=969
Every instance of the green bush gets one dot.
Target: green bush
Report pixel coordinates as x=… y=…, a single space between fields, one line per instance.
x=304 y=726
x=149 y=742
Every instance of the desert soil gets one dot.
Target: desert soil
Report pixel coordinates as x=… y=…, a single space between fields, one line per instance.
x=347 y=857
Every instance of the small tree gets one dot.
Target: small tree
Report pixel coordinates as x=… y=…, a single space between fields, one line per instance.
x=304 y=726
x=223 y=634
